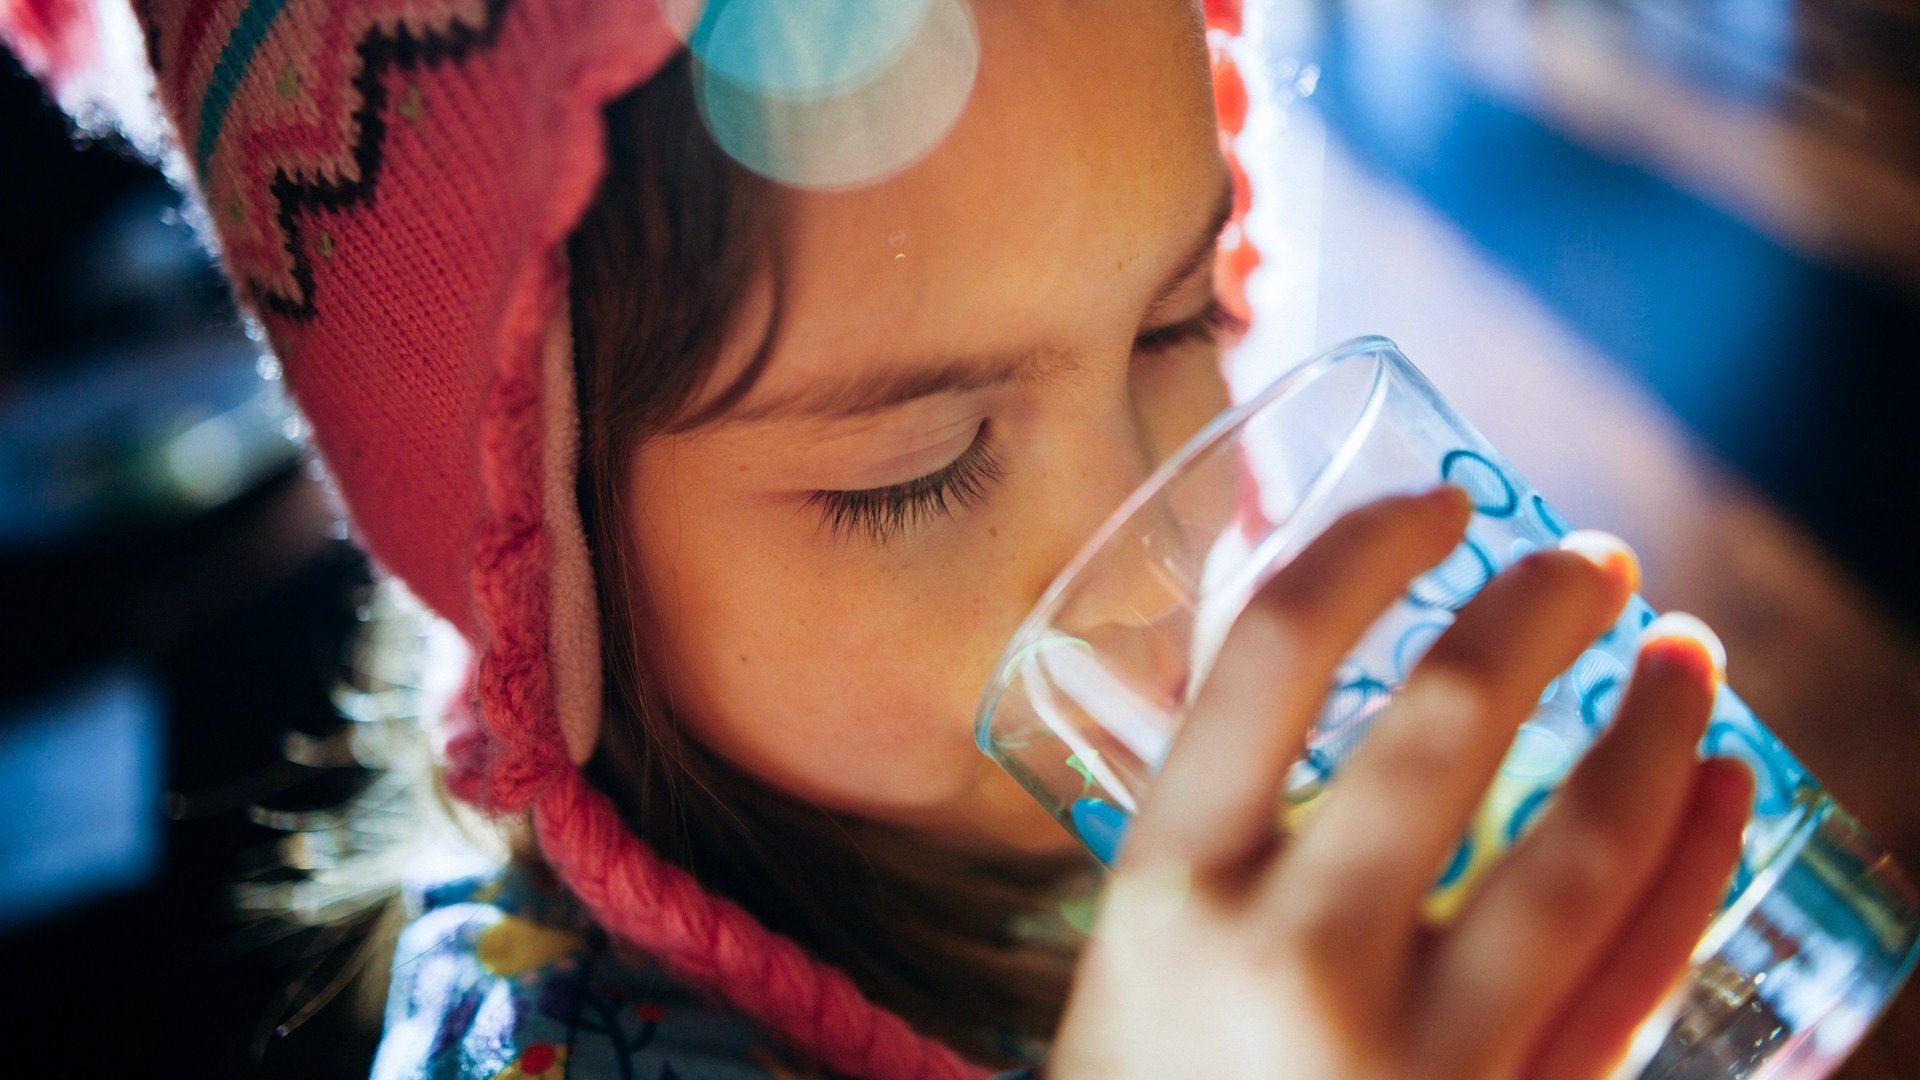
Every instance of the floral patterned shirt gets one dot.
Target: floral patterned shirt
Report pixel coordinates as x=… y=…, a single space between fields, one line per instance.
x=501 y=977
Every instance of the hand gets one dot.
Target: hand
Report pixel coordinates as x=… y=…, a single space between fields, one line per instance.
x=1224 y=950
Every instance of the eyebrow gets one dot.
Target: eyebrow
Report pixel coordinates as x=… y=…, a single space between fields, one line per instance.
x=877 y=392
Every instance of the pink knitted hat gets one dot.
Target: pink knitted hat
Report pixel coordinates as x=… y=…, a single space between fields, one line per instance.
x=392 y=183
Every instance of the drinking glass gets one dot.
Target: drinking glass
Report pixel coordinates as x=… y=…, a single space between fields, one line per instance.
x=1818 y=927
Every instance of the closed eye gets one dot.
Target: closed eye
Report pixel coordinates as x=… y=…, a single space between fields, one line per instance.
x=885 y=514
x=1215 y=325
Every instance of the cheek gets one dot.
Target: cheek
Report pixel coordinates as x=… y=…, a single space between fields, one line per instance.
x=855 y=690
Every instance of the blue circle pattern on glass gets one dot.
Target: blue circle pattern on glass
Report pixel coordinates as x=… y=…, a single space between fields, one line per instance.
x=1462 y=858
x=1101 y=826
x=1778 y=778
x=1459 y=576
x=1528 y=809
x=1493 y=494
x=1548 y=519
x=1354 y=701
x=1413 y=644
x=1635 y=617
x=1307 y=778
x=1599 y=678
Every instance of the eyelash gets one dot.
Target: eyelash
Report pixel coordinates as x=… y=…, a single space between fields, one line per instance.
x=884 y=514
x=1215 y=325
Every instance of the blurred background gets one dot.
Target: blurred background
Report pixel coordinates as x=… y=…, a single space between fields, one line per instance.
x=1664 y=253
x=179 y=603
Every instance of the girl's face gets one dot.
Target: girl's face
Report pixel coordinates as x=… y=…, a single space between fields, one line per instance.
x=977 y=360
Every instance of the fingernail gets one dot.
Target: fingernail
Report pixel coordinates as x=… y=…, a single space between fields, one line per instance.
x=1679 y=624
x=1604 y=550
x=1450 y=495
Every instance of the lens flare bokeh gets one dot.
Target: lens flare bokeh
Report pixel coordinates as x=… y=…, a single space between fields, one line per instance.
x=832 y=94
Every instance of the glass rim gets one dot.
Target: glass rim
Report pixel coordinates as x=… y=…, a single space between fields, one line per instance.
x=1281 y=385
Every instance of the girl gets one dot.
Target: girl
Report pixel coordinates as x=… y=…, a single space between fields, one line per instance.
x=736 y=482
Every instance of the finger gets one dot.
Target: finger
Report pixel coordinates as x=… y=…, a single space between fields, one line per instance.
x=1539 y=919
x=1351 y=884
x=1212 y=804
x=1591 y=1036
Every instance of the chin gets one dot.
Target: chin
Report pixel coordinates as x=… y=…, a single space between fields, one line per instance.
x=982 y=808
x=1036 y=831
x=1004 y=815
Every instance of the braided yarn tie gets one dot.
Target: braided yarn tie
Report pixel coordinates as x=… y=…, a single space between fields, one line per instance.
x=718 y=946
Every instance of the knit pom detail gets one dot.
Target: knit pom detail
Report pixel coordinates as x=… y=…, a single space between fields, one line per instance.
x=717 y=946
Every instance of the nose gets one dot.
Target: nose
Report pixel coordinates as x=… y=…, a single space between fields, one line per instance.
x=1107 y=462
x=1132 y=597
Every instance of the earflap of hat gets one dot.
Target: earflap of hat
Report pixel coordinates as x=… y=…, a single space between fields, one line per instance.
x=573 y=615
x=567 y=604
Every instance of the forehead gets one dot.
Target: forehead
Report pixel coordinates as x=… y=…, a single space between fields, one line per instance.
x=1086 y=149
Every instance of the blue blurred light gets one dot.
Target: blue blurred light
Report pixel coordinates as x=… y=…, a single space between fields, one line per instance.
x=80 y=780
x=804 y=48
x=833 y=94
x=1708 y=313
x=148 y=434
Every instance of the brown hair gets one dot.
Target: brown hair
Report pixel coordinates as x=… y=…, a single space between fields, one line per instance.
x=660 y=265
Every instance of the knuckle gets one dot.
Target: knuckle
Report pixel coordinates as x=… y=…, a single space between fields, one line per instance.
x=1588 y=865
x=1322 y=931
x=1447 y=700
x=1474 y=643
x=1412 y=761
